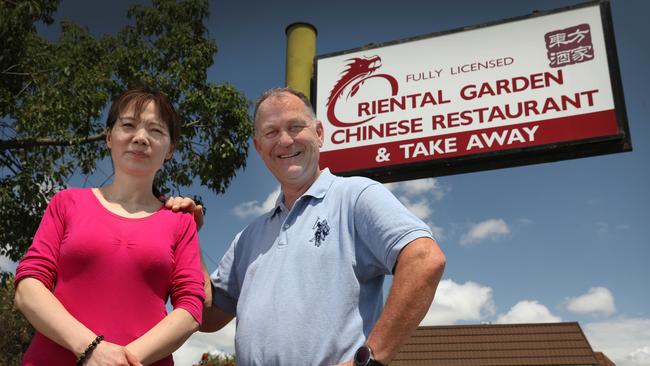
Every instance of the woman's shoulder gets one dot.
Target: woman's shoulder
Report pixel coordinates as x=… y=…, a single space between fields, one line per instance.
x=176 y=224
x=181 y=217
x=68 y=201
x=71 y=195
x=72 y=192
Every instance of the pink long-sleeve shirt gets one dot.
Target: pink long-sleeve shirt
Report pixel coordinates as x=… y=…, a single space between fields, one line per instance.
x=113 y=274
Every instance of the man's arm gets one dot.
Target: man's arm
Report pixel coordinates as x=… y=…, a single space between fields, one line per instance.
x=207 y=284
x=213 y=317
x=418 y=271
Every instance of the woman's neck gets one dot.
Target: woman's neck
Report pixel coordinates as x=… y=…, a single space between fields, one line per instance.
x=132 y=195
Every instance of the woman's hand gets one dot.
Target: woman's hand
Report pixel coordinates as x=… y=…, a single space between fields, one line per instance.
x=110 y=354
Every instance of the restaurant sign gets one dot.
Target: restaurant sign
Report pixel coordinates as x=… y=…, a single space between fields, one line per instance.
x=533 y=89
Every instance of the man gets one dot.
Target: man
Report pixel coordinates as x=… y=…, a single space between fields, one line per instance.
x=305 y=279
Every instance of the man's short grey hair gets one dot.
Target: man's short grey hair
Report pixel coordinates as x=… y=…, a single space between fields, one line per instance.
x=277 y=92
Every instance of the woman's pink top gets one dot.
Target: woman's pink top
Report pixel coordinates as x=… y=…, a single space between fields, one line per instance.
x=113 y=274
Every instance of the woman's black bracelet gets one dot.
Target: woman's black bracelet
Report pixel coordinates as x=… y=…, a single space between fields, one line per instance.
x=89 y=350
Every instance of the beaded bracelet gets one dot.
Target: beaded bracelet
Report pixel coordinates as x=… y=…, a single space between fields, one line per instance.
x=89 y=350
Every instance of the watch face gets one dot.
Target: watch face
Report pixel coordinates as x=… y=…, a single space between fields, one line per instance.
x=362 y=356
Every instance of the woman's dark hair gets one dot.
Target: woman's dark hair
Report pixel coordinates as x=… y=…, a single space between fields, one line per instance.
x=139 y=98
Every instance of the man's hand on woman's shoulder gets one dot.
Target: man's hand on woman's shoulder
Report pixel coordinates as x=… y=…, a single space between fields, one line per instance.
x=186 y=205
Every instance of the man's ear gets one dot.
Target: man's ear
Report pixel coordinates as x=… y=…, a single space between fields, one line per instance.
x=321 y=133
x=257 y=144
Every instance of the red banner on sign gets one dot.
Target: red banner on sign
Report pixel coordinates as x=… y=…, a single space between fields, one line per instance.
x=552 y=131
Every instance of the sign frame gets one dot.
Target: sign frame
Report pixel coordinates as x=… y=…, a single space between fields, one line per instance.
x=483 y=161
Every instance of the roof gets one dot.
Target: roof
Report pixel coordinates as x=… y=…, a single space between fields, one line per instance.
x=603 y=360
x=543 y=344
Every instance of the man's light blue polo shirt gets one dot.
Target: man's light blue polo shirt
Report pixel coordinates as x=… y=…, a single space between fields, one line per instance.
x=306 y=284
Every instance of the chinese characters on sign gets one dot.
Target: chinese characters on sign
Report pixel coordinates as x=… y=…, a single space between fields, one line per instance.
x=569 y=46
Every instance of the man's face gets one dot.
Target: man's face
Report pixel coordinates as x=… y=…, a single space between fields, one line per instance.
x=288 y=140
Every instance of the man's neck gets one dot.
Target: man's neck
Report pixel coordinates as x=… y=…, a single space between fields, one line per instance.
x=293 y=192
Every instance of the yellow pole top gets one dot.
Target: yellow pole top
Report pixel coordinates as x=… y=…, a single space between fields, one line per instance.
x=301 y=50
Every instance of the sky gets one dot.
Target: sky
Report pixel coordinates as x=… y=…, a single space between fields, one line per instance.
x=562 y=241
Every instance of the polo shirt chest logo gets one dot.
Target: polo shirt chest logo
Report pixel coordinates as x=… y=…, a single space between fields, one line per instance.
x=321 y=230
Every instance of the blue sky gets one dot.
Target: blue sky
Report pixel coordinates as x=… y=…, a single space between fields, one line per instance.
x=564 y=241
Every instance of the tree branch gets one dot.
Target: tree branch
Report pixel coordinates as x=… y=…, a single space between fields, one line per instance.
x=193 y=123
x=198 y=143
x=5 y=128
x=7 y=72
x=10 y=162
x=5 y=164
x=30 y=142
x=23 y=89
x=9 y=68
x=193 y=150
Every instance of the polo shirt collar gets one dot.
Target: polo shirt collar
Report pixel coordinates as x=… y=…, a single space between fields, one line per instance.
x=322 y=184
x=317 y=190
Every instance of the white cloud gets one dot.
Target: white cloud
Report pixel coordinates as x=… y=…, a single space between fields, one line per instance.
x=415 y=195
x=639 y=357
x=456 y=302
x=437 y=231
x=528 y=312
x=598 y=301
x=602 y=227
x=198 y=343
x=420 y=209
x=411 y=188
x=254 y=208
x=488 y=229
x=626 y=341
x=7 y=265
x=525 y=221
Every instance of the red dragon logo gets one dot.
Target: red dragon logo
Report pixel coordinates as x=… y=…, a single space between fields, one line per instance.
x=358 y=71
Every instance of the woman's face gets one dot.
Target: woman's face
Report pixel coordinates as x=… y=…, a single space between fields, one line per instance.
x=139 y=144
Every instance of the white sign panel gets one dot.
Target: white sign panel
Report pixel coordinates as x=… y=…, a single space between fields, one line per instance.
x=537 y=81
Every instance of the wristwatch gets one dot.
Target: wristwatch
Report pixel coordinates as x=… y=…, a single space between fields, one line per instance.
x=364 y=357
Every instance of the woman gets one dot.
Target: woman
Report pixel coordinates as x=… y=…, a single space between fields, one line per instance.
x=103 y=262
